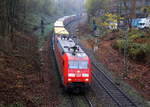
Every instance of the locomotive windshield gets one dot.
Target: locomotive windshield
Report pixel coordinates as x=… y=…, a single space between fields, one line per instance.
x=78 y=64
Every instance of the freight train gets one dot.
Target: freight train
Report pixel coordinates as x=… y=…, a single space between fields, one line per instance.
x=73 y=63
x=60 y=24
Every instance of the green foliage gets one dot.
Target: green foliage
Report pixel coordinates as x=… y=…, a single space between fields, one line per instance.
x=90 y=6
x=135 y=33
x=119 y=44
x=147 y=8
x=44 y=6
x=148 y=53
x=93 y=6
x=134 y=36
x=103 y=18
x=109 y=20
x=138 y=45
x=146 y=48
x=135 y=49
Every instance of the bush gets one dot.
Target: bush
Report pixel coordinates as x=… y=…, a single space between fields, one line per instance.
x=147 y=52
x=135 y=33
x=134 y=36
x=139 y=51
x=147 y=30
x=146 y=48
x=119 y=44
x=135 y=50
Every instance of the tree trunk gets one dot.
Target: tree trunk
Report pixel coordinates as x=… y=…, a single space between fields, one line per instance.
x=133 y=9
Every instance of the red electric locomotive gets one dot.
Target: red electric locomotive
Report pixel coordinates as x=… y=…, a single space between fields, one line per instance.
x=73 y=63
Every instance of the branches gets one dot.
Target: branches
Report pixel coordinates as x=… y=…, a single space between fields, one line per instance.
x=94 y=6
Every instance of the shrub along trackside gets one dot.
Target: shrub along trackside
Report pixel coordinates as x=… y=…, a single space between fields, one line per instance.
x=138 y=44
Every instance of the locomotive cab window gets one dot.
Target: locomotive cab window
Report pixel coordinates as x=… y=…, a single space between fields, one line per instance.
x=83 y=65
x=73 y=64
x=78 y=64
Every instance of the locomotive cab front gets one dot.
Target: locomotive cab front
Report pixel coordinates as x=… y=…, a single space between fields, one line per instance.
x=79 y=73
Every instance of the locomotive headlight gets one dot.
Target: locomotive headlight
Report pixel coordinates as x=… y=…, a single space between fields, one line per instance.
x=69 y=79
x=85 y=75
x=87 y=79
x=71 y=75
x=78 y=71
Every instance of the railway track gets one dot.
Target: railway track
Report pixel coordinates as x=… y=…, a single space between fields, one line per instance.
x=116 y=94
x=80 y=101
x=119 y=98
x=111 y=89
x=83 y=98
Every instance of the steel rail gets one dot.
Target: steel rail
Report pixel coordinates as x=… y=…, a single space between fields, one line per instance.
x=72 y=100
x=84 y=99
x=109 y=81
x=88 y=101
x=107 y=91
x=110 y=92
